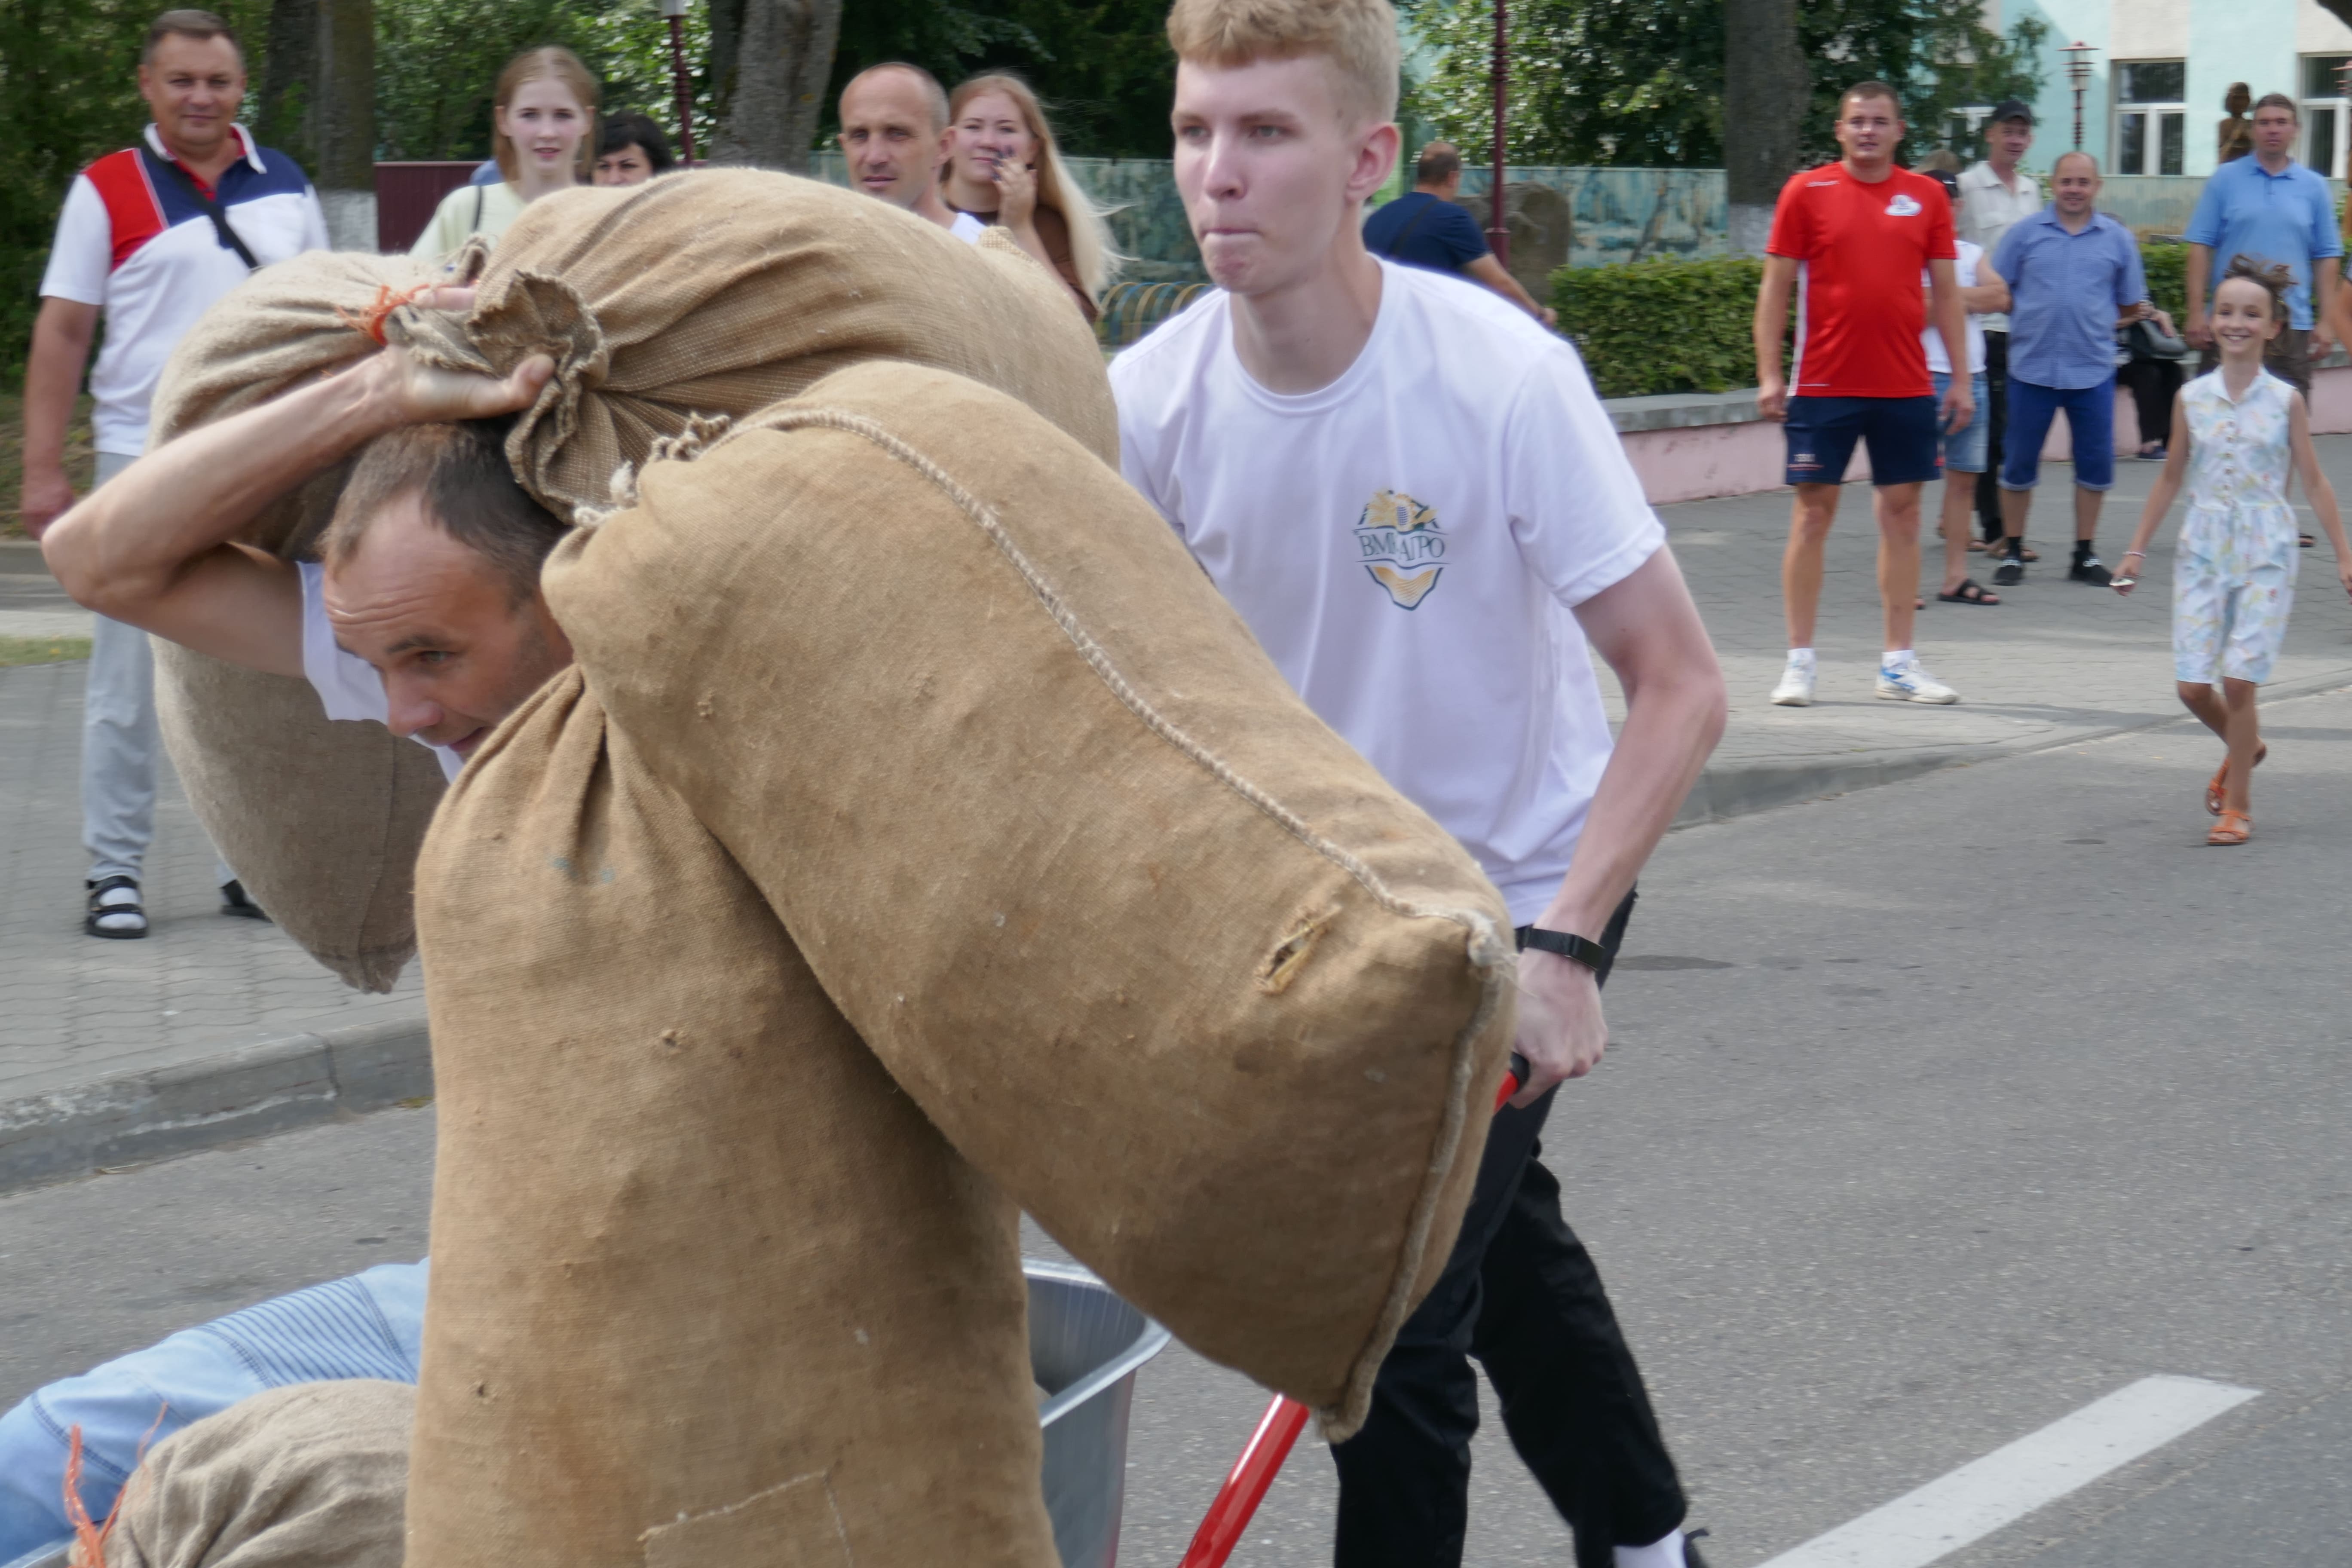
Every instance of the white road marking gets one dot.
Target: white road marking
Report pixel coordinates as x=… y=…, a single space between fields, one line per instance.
x=2008 y=1483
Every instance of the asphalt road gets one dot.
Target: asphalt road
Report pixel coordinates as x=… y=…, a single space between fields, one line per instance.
x=1934 y=1114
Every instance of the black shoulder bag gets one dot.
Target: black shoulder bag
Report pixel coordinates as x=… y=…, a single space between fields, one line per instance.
x=186 y=181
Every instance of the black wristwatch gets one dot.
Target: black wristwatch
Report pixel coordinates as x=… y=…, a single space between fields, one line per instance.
x=1590 y=954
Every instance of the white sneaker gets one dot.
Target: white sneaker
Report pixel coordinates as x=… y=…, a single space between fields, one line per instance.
x=1796 y=688
x=1912 y=683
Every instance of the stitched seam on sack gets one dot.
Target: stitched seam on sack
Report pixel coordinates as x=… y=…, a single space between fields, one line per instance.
x=823 y=1479
x=1483 y=938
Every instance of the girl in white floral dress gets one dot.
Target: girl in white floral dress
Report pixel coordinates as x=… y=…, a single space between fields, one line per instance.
x=2236 y=432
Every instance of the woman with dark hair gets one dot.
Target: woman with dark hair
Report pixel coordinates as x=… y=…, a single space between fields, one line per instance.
x=632 y=151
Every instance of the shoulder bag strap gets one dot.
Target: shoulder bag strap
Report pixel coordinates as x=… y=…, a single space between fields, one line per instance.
x=186 y=181
x=1390 y=249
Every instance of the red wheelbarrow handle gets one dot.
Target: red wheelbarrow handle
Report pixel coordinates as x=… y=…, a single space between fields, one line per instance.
x=1278 y=1432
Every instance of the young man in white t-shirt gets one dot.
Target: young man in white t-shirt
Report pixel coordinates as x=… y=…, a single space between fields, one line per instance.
x=1963 y=452
x=425 y=615
x=1410 y=491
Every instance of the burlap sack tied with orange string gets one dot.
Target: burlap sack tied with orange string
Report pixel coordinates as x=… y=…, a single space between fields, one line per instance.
x=710 y=293
x=707 y=1291
x=1151 y=946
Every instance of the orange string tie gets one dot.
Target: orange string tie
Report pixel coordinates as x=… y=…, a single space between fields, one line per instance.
x=89 y=1538
x=370 y=321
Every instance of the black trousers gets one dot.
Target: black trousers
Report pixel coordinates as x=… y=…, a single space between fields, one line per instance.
x=1997 y=394
x=2154 y=383
x=1521 y=1294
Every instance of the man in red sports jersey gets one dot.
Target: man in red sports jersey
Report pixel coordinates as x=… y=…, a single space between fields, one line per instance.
x=1852 y=239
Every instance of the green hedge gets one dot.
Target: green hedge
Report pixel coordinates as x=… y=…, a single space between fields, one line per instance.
x=1662 y=326
x=2166 y=266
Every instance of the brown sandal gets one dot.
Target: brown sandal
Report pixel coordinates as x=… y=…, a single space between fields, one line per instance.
x=2220 y=779
x=2235 y=827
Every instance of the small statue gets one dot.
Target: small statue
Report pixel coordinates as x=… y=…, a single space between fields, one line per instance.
x=2237 y=133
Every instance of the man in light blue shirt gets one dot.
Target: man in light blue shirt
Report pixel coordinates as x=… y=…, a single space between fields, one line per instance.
x=2272 y=208
x=2074 y=276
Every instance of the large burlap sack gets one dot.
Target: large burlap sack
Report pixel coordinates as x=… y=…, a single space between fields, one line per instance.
x=710 y=293
x=1151 y=945
x=708 y=1291
x=313 y=1476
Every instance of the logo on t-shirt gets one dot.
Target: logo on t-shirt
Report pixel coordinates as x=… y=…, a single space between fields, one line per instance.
x=1902 y=206
x=1399 y=543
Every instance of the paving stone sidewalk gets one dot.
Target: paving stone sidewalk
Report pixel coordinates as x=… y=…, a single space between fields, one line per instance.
x=2056 y=662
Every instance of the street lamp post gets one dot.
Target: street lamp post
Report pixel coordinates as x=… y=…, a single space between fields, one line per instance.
x=2078 y=72
x=1498 y=232
x=675 y=11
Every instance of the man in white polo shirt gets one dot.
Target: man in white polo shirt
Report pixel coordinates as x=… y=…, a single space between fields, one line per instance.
x=150 y=237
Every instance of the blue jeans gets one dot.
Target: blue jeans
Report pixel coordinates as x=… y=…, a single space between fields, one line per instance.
x=369 y=1325
x=2090 y=416
x=1964 y=449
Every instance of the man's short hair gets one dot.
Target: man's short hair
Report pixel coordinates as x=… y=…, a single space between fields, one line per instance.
x=1358 y=38
x=2073 y=153
x=2277 y=101
x=458 y=473
x=935 y=96
x=1864 y=90
x=1439 y=162
x=196 y=24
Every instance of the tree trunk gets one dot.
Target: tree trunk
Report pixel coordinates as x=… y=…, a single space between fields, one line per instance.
x=1766 y=85
x=784 y=57
x=318 y=105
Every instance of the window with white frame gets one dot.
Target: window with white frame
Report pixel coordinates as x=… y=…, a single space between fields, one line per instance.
x=2151 y=119
x=2327 y=116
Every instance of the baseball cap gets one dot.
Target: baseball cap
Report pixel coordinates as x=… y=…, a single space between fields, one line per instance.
x=1949 y=181
x=2011 y=109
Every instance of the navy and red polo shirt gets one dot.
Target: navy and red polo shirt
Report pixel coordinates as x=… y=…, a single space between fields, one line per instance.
x=139 y=246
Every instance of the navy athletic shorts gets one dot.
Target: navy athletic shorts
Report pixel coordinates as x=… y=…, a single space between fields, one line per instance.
x=1900 y=433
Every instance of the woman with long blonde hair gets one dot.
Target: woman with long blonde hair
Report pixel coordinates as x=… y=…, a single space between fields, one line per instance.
x=1005 y=167
x=543 y=134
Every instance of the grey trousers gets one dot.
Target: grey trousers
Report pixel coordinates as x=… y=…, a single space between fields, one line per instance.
x=120 y=743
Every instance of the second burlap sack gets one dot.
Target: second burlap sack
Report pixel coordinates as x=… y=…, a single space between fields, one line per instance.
x=1151 y=945
x=707 y=1291
x=710 y=293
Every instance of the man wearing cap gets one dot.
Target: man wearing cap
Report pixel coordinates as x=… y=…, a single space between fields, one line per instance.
x=1994 y=194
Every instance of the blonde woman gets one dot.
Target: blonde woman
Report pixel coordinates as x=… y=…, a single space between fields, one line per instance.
x=1004 y=167
x=543 y=134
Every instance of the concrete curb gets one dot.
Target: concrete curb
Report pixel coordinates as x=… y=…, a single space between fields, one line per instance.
x=268 y=1084
x=279 y=1080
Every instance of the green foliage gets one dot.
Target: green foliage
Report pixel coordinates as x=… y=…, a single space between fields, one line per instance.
x=2166 y=266
x=69 y=92
x=437 y=60
x=1640 y=82
x=1663 y=326
x=1102 y=66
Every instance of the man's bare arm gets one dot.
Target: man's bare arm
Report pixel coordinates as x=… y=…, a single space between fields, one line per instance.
x=1491 y=273
x=1988 y=293
x=1951 y=319
x=1647 y=628
x=61 y=336
x=2199 y=270
x=153 y=547
x=1770 y=329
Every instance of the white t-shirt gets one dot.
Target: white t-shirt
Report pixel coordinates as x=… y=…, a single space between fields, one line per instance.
x=967 y=229
x=1407 y=543
x=137 y=245
x=1965 y=271
x=348 y=686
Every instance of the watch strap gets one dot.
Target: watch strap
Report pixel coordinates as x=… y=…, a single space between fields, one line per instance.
x=1579 y=950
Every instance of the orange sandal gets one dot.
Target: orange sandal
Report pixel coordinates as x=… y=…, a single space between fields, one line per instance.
x=2235 y=827
x=2220 y=779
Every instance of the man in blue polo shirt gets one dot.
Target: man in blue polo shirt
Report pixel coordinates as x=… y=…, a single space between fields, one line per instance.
x=2272 y=207
x=2074 y=276
x=1425 y=227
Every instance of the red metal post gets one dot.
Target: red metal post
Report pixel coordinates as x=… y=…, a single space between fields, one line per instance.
x=1498 y=232
x=685 y=87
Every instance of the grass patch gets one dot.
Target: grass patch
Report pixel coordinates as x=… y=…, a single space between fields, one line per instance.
x=82 y=461
x=41 y=650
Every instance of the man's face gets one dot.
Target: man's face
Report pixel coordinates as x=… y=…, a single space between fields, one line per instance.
x=2074 y=185
x=2008 y=140
x=1270 y=166
x=2274 y=131
x=624 y=165
x=193 y=87
x=894 y=150
x=1869 y=129
x=439 y=622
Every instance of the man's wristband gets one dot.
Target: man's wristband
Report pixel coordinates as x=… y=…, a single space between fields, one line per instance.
x=1577 y=949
